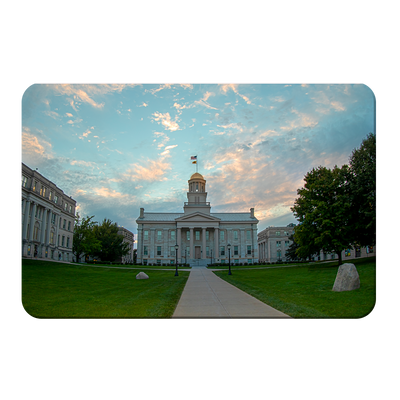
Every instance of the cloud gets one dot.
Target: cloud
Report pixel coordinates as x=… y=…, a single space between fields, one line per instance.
x=83 y=163
x=225 y=88
x=106 y=192
x=32 y=145
x=326 y=104
x=162 y=87
x=52 y=114
x=303 y=121
x=171 y=147
x=165 y=120
x=85 y=93
x=151 y=170
x=69 y=115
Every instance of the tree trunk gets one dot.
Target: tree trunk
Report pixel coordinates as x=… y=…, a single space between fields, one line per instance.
x=339 y=253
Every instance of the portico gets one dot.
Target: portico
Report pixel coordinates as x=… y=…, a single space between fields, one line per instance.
x=197 y=232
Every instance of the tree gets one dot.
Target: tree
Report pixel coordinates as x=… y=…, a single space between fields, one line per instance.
x=112 y=244
x=84 y=242
x=291 y=252
x=323 y=211
x=362 y=187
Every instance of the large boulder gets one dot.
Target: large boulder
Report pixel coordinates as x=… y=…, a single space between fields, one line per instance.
x=347 y=278
x=142 y=275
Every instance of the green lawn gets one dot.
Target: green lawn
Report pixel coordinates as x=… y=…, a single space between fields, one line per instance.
x=306 y=291
x=57 y=290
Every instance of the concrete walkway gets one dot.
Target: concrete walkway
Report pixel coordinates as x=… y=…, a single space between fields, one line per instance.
x=208 y=296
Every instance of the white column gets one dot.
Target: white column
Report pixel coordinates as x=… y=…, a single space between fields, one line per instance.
x=216 y=246
x=152 y=249
x=139 y=244
x=32 y=222
x=179 y=242
x=255 y=241
x=43 y=226
x=26 y=218
x=203 y=237
x=47 y=239
x=191 y=244
x=243 y=247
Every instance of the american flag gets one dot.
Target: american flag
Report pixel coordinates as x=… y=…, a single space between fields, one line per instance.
x=193 y=158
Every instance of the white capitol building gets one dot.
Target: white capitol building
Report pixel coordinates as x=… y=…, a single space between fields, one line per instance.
x=201 y=236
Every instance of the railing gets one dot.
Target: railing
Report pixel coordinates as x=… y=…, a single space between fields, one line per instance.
x=196 y=204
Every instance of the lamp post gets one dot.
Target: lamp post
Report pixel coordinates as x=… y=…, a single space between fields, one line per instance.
x=229 y=255
x=176 y=259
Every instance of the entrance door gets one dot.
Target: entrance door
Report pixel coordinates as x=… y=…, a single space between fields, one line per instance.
x=197 y=252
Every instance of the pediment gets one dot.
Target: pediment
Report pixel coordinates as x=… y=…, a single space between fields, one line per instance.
x=197 y=217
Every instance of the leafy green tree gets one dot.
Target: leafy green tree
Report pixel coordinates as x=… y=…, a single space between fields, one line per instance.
x=112 y=244
x=362 y=187
x=84 y=241
x=323 y=212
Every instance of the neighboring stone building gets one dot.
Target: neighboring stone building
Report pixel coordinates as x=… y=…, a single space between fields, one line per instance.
x=130 y=239
x=48 y=216
x=273 y=243
x=202 y=237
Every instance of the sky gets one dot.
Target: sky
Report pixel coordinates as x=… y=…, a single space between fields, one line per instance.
x=117 y=148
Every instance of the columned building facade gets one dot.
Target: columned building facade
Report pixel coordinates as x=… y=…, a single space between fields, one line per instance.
x=129 y=238
x=48 y=217
x=202 y=237
x=273 y=242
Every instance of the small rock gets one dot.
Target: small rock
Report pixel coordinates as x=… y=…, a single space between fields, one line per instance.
x=347 y=278
x=142 y=275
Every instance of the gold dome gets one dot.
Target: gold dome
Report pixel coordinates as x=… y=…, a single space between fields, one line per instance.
x=196 y=175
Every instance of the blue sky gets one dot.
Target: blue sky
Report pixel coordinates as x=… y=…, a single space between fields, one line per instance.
x=116 y=148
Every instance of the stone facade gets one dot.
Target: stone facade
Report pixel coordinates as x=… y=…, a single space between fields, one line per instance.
x=273 y=243
x=129 y=238
x=202 y=237
x=48 y=217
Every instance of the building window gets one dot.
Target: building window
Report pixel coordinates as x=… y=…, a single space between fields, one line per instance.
x=39 y=212
x=69 y=225
x=237 y=261
x=55 y=199
x=278 y=233
x=59 y=225
x=159 y=235
x=50 y=195
x=286 y=243
x=34 y=186
x=197 y=235
x=52 y=237
x=23 y=180
x=62 y=241
x=347 y=252
x=172 y=250
x=187 y=235
x=236 y=250
x=222 y=235
x=172 y=235
x=35 y=233
x=235 y=235
x=29 y=250
x=146 y=235
x=68 y=241
x=65 y=206
x=249 y=250
x=53 y=219
x=144 y=262
x=279 y=254
x=207 y=250
x=145 y=252
x=159 y=250
x=370 y=249
x=207 y=235
x=278 y=243
x=249 y=261
x=188 y=251
x=70 y=209
x=222 y=250
x=248 y=235
x=65 y=223
x=58 y=243
x=222 y=261
x=158 y=262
